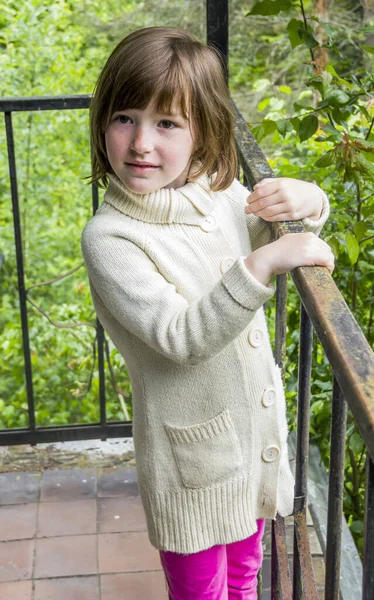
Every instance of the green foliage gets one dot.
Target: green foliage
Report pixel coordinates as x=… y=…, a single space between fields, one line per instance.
x=323 y=132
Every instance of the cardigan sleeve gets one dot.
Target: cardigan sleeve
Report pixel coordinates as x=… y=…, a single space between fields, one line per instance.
x=129 y=291
x=259 y=229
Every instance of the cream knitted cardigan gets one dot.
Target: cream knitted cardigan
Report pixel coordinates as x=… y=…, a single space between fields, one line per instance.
x=170 y=287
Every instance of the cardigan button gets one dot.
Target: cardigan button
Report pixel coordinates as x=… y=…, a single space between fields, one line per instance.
x=270 y=454
x=208 y=223
x=256 y=337
x=268 y=397
x=227 y=263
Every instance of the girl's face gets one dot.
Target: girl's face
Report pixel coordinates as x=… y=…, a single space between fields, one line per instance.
x=148 y=150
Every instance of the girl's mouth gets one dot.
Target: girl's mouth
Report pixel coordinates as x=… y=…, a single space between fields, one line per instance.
x=142 y=167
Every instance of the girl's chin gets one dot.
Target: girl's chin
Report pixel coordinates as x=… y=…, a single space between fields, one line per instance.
x=141 y=186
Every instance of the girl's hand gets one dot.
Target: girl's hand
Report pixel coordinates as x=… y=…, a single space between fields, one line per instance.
x=288 y=252
x=285 y=199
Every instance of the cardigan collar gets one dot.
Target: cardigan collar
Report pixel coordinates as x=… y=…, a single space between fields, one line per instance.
x=186 y=204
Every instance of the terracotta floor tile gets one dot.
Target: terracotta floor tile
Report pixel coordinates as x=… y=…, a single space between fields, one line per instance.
x=67 y=588
x=17 y=521
x=120 y=514
x=16 y=560
x=134 y=586
x=123 y=552
x=69 y=484
x=66 y=556
x=19 y=487
x=76 y=517
x=117 y=482
x=16 y=590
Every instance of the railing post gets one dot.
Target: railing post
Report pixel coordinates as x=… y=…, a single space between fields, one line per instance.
x=304 y=587
x=336 y=486
x=280 y=573
x=100 y=335
x=20 y=270
x=368 y=557
x=217 y=19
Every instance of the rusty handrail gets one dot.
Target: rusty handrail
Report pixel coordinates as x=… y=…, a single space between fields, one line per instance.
x=346 y=347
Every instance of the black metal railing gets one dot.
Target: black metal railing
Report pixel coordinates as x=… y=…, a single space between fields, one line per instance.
x=34 y=434
x=322 y=308
x=352 y=360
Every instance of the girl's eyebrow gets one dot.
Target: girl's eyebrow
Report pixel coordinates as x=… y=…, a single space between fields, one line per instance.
x=173 y=114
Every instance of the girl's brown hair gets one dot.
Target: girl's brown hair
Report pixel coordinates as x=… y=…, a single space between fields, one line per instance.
x=167 y=65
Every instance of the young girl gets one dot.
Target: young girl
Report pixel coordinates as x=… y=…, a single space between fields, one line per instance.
x=180 y=259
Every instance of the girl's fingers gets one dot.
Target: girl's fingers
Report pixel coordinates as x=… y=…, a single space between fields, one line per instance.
x=264 y=182
x=263 y=192
x=256 y=205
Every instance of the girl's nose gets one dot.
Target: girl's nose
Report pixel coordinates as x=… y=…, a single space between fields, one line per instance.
x=142 y=141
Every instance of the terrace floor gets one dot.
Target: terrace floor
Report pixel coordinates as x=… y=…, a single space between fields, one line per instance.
x=81 y=534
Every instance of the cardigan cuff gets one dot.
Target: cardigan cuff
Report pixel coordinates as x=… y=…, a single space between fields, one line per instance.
x=244 y=287
x=316 y=225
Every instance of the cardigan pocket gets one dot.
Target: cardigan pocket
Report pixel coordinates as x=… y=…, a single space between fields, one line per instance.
x=207 y=452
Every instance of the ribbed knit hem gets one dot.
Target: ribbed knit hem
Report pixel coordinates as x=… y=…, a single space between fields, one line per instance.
x=204 y=431
x=190 y=520
x=245 y=288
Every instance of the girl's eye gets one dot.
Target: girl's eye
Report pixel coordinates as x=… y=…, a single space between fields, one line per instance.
x=122 y=119
x=167 y=124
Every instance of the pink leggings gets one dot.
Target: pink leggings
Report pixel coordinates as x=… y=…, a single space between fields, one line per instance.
x=225 y=572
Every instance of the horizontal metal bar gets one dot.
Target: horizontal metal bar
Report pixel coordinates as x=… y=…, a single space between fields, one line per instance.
x=65 y=433
x=45 y=103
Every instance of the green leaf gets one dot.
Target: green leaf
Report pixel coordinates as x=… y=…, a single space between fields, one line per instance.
x=328 y=128
x=330 y=69
x=360 y=229
x=266 y=128
x=369 y=49
x=260 y=85
x=363 y=165
x=263 y=104
x=364 y=111
x=367 y=211
x=353 y=248
x=285 y=89
x=336 y=98
x=308 y=38
x=340 y=116
x=326 y=160
x=284 y=126
x=334 y=244
x=355 y=443
x=295 y=123
x=316 y=83
x=308 y=127
x=293 y=32
x=270 y=7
